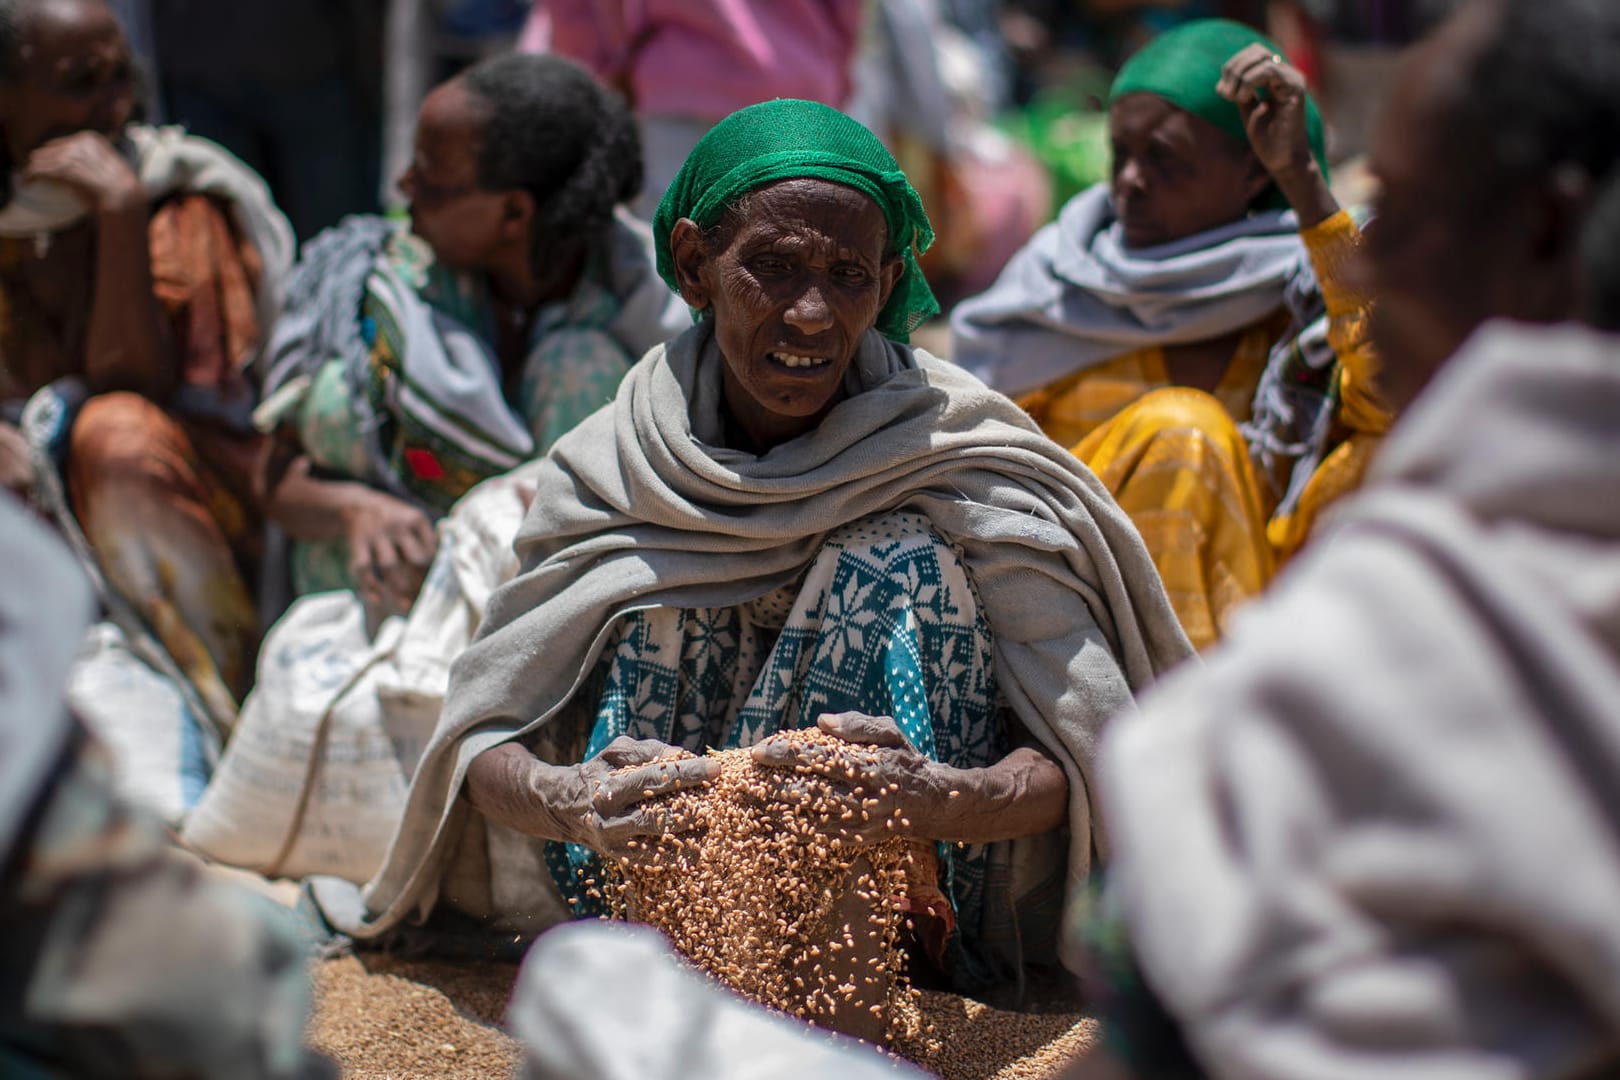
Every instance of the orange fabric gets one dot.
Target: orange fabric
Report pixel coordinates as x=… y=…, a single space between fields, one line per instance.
x=159 y=501
x=1177 y=464
x=1363 y=415
x=1340 y=474
x=204 y=277
x=1074 y=407
x=1332 y=246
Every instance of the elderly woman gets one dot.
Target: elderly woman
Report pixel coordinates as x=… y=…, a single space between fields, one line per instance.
x=788 y=514
x=413 y=363
x=139 y=270
x=1193 y=315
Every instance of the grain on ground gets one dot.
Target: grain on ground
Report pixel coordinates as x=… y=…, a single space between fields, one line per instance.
x=382 y=1018
x=972 y=1041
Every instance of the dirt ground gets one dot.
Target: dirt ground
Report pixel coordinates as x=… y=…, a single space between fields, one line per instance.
x=384 y=1018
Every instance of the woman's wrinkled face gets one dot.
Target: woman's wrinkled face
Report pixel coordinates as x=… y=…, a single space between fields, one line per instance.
x=458 y=218
x=74 y=75
x=1174 y=174
x=793 y=288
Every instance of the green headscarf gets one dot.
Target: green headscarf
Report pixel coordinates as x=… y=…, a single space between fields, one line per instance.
x=1184 y=65
x=791 y=140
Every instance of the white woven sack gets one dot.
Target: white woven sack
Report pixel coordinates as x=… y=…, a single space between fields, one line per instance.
x=159 y=751
x=310 y=782
x=315 y=776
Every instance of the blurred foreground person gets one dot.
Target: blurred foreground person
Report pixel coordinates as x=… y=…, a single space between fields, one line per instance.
x=669 y=1020
x=1376 y=836
x=120 y=958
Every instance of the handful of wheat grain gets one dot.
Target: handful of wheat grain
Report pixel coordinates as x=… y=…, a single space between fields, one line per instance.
x=755 y=887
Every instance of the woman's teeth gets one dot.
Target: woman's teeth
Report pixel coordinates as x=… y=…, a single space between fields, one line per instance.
x=789 y=360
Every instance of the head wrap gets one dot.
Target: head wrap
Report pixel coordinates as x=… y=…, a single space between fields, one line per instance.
x=793 y=140
x=1183 y=67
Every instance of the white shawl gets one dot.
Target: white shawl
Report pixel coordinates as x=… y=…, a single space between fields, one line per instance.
x=640 y=506
x=1379 y=834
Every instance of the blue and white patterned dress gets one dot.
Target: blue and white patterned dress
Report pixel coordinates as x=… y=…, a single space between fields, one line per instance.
x=885 y=622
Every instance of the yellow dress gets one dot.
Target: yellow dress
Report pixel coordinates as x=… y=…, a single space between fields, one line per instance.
x=1176 y=462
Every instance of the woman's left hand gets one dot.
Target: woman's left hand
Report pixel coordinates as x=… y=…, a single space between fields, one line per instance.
x=1272 y=96
x=887 y=787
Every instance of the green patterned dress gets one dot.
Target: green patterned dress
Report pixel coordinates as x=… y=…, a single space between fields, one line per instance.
x=438 y=448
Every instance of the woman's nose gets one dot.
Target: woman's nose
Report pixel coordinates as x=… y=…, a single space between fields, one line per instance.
x=810 y=313
x=1129 y=176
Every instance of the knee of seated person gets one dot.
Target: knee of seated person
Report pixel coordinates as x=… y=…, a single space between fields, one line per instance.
x=1179 y=408
x=118 y=437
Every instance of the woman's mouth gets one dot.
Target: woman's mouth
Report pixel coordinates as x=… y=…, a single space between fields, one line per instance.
x=794 y=360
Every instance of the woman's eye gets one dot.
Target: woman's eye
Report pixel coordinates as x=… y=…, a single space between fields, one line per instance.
x=852 y=275
x=768 y=264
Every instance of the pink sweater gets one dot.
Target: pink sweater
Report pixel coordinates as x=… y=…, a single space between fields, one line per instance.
x=704 y=59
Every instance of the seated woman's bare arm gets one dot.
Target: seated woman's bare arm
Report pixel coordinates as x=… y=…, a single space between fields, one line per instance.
x=391 y=543
x=127 y=344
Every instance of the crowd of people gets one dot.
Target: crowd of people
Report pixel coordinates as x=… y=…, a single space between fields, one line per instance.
x=1230 y=617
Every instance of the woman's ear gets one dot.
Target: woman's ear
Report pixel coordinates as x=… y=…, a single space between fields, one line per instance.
x=888 y=278
x=691 y=257
x=517 y=215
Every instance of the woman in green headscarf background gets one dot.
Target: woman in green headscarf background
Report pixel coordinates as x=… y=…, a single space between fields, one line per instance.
x=1186 y=329
x=790 y=518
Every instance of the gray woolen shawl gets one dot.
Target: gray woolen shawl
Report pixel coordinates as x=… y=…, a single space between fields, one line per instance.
x=1378 y=835
x=1075 y=296
x=641 y=506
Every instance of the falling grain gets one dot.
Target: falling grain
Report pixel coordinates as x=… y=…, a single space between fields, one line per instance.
x=752 y=893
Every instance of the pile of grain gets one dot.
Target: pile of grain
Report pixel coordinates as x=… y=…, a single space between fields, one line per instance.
x=749 y=887
x=387 y=1019
x=967 y=1040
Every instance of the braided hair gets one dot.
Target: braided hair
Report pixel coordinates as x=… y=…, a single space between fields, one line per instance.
x=556 y=133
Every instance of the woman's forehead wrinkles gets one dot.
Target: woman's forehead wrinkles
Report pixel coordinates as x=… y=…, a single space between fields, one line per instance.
x=805 y=238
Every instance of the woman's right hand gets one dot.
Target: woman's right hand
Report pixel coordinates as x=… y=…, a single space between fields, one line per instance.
x=91 y=165
x=1272 y=96
x=391 y=544
x=611 y=788
x=593 y=803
